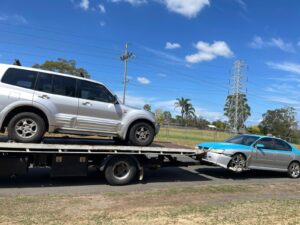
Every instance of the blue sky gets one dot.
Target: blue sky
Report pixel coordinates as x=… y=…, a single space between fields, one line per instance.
x=182 y=48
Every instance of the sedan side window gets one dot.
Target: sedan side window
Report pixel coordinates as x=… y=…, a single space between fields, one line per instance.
x=267 y=142
x=93 y=91
x=281 y=145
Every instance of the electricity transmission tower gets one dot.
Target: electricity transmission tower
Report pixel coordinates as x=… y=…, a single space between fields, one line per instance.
x=125 y=57
x=237 y=94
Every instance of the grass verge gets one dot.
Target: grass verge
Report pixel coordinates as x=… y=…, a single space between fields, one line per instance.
x=204 y=204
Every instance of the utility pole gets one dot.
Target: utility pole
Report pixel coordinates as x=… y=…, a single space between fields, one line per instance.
x=125 y=57
x=237 y=90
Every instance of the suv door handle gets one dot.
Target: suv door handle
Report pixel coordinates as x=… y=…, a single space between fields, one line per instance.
x=44 y=96
x=87 y=103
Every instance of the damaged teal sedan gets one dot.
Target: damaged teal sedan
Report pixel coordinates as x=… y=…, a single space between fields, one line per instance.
x=245 y=152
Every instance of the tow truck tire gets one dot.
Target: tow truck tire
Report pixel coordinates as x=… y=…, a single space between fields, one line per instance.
x=120 y=170
x=294 y=170
x=26 y=127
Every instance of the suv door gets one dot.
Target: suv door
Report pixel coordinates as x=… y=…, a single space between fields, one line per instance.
x=57 y=94
x=97 y=111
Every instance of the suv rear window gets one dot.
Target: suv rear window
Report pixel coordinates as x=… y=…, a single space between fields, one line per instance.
x=20 y=78
x=57 y=85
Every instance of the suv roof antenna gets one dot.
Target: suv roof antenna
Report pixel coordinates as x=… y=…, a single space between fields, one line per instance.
x=17 y=62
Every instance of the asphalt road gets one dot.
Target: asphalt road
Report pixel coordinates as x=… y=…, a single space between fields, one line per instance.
x=38 y=181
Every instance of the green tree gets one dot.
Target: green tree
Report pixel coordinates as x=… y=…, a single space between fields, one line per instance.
x=147 y=107
x=63 y=66
x=279 y=122
x=167 y=116
x=254 y=130
x=220 y=124
x=159 y=116
x=243 y=111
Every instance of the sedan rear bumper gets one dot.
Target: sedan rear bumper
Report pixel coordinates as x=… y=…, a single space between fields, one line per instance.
x=217 y=159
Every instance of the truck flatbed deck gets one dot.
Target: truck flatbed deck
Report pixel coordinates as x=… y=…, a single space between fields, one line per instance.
x=73 y=156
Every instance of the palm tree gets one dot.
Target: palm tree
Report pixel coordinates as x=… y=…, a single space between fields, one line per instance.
x=189 y=112
x=186 y=108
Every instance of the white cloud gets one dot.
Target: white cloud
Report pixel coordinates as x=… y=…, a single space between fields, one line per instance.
x=209 y=115
x=14 y=19
x=84 y=4
x=164 y=55
x=167 y=105
x=170 y=45
x=132 y=2
x=102 y=9
x=143 y=80
x=187 y=8
x=162 y=75
x=259 y=43
x=285 y=66
x=242 y=4
x=283 y=100
x=208 y=52
x=102 y=23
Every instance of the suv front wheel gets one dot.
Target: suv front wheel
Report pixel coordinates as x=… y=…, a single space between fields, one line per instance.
x=26 y=127
x=141 y=134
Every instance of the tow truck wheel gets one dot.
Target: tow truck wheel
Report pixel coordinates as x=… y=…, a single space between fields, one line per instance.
x=120 y=170
x=294 y=170
x=237 y=163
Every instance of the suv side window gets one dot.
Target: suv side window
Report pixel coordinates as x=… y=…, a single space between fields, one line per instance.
x=44 y=82
x=267 y=142
x=20 y=78
x=281 y=145
x=93 y=91
x=65 y=86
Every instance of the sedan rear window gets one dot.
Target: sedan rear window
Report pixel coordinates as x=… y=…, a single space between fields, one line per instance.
x=20 y=78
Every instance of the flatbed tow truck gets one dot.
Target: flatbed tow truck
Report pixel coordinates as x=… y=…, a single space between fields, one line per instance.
x=121 y=165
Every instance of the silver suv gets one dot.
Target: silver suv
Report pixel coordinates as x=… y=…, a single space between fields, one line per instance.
x=34 y=101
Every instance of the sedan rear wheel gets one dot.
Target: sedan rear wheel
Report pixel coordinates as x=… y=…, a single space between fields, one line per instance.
x=237 y=163
x=294 y=170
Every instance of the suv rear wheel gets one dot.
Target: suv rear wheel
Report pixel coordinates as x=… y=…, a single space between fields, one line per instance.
x=141 y=134
x=26 y=127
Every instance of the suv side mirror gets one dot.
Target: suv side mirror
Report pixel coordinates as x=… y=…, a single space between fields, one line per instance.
x=260 y=146
x=115 y=100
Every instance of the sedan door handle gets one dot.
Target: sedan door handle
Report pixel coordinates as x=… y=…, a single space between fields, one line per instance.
x=44 y=96
x=87 y=104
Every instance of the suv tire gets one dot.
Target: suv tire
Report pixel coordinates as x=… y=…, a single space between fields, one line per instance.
x=26 y=127
x=141 y=134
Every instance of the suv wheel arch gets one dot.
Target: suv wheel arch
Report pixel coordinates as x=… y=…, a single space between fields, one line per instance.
x=21 y=109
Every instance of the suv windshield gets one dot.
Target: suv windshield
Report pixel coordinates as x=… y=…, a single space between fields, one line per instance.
x=243 y=140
